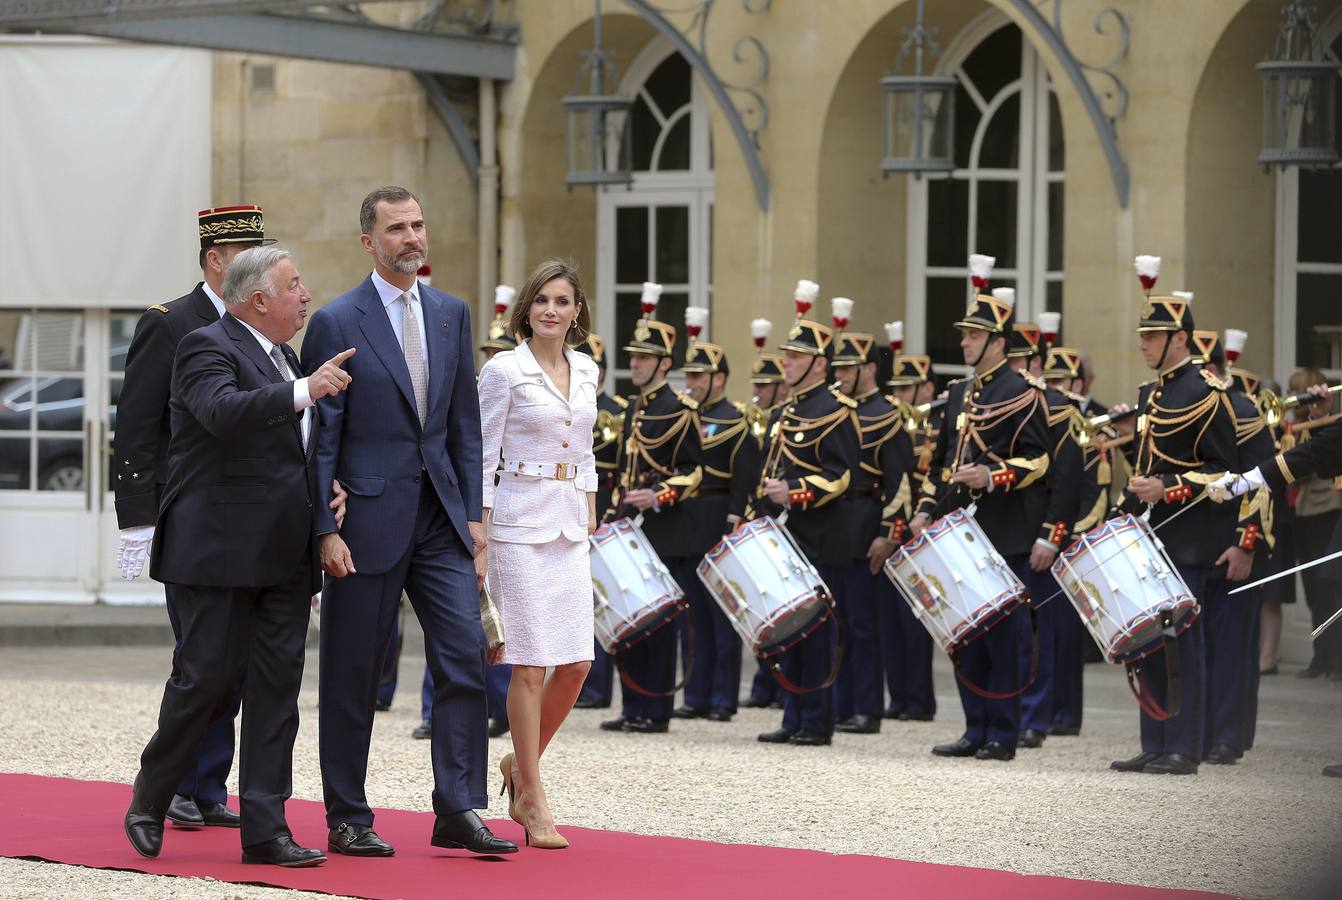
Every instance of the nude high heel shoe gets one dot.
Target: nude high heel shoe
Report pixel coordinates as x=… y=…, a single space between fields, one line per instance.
x=506 y=767
x=549 y=839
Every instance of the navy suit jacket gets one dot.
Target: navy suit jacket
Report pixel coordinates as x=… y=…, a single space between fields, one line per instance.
x=237 y=507
x=371 y=439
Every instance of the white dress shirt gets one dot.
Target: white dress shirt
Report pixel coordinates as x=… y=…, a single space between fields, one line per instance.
x=390 y=294
x=302 y=399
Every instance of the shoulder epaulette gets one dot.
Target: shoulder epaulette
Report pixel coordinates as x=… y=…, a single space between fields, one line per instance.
x=1211 y=379
x=957 y=381
x=160 y=307
x=844 y=399
x=1147 y=383
x=621 y=402
x=1035 y=381
x=687 y=401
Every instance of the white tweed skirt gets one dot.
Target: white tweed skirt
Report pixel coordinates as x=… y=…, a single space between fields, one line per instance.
x=544 y=596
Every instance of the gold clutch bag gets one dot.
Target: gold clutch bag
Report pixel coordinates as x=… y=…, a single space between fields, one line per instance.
x=490 y=620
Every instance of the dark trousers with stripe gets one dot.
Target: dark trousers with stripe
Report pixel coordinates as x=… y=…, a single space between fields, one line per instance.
x=858 y=690
x=715 y=678
x=1228 y=622
x=651 y=663
x=992 y=662
x=906 y=652
x=1036 y=704
x=1069 y=662
x=600 y=683
x=1180 y=734
x=807 y=665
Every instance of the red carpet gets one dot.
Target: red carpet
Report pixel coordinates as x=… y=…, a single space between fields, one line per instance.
x=79 y=822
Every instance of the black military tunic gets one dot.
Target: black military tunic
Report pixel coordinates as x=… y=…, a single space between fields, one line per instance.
x=882 y=481
x=813 y=446
x=730 y=457
x=140 y=466
x=1066 y=470
x=1186 y=438
x=662 y=452
x=999 y=420
x=607 y=447
x=1320 y=454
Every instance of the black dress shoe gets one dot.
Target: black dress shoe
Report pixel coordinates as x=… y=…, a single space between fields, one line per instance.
x=996 y=750
x=382 y=706
x=1270 y=671
x=718 y=714
x=1058 y=729
x=498 y=726
x=1171 y=764
x=353 y=839
x=915 y=717
x=641 y=725
x=1223 y=755
x=1135 y=764
x=465 y=831
x=755 y=703
x=1333 y=771
x=615 y=724
x=183 y=811
x=777 y=704
x=590 y=703
x=216 y=815
x=780 y=736
x=689 y=712
x=423 y=731
x=1310 y=672
x=1031 y=739
x=892 y=712
x=960 y=748
x=282 y=851
x=144 y=831
x=809 y=739
x=859 y=725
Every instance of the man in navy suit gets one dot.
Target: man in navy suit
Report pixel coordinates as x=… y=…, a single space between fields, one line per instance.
x=234 y=536
x=404 y=441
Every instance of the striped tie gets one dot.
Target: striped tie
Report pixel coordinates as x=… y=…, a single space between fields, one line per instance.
x=413 y=345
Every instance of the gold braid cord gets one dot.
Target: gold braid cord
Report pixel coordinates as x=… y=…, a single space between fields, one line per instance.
x=983 y=418
x=1160 y=422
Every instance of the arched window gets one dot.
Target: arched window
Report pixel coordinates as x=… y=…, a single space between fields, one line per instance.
x=660 y=228
x=1005 y=197
x=1309 y=258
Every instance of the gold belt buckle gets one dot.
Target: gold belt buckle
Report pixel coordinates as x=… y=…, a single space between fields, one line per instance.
x=561 y=471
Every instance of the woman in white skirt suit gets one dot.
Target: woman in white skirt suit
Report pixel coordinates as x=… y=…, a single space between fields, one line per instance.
x=537 y=409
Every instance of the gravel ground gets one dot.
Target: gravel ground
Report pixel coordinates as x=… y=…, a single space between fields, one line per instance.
x=1264 y=828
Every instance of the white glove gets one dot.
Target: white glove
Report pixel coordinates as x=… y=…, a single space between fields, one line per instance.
x=1235 y=485
x=133 y=549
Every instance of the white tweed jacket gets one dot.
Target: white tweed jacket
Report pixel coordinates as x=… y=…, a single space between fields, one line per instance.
x=525 y=418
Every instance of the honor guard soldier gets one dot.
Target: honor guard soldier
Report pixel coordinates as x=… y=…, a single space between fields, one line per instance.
x=661 y=469
x=1230 y=624
x=497 y=337
x=608 y=449
x=1064 y=372
x=730 y=459
x=812 y=452
x=143 y=429
x=906 y=647
x=1064 y=489
x=994 y=453
x=770 y=391
x=1185 y=432
x=877 y=506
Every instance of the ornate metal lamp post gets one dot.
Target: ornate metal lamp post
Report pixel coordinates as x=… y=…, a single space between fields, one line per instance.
x=918 y=133
x=594 y=149
x=1299 y=87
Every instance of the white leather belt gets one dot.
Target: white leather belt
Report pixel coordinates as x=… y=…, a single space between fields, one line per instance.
x=557 y=471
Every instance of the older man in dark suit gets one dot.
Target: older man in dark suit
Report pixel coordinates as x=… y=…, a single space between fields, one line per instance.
x=234 y=536
x=405 y=443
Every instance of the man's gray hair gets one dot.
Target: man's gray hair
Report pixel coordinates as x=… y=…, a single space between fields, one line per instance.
x=250 y=272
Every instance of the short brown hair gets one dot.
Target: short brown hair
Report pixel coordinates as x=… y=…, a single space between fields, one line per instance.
x=519 y=325
x=388 y=194
x=1304 y=379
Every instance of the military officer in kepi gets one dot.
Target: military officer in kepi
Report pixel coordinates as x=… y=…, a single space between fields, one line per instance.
x=906 y=647
x=497 y=337
x=1230 y=624
x=1064 y=372
x=877 y=505
x=770 y=392
x=730 y=457
x=995 y=455
x=607 y=447
x=143 y=429
x=661 y=470
x=813 y=451
x=1184 y=434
